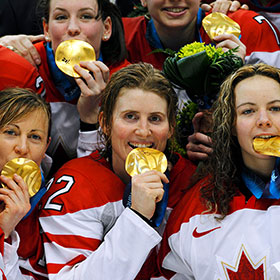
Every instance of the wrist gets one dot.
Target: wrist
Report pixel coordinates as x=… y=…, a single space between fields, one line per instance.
x=84 y=126
x=148 y=221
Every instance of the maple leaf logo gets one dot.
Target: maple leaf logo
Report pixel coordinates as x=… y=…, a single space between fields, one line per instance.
x=245 y=268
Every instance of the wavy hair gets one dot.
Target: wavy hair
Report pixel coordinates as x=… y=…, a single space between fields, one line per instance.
x=224 y=164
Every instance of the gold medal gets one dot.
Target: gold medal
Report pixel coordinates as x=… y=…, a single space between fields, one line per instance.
x=72 y=52
x=268 y=146
x=217 y=23
x=27 y=169
x=140 y=160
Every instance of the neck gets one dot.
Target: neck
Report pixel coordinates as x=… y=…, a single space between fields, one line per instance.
x=121 y=172
x=175 y=38
x=262 y=167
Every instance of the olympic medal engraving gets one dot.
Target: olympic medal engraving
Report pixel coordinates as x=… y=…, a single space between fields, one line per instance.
x=72 y=52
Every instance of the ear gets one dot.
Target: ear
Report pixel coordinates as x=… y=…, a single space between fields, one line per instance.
x=171 y=131
x=46 y=30
x=107 y=29
x=144 y=3
x=233 y=131
x=48 y=143
x=102 y=123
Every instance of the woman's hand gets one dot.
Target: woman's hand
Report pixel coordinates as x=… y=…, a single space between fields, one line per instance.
x=91 y=86
x=199 y=144
x=15 y=203
x=229 y=42
x=146 y=191
x=23 y=45
x=224 y=6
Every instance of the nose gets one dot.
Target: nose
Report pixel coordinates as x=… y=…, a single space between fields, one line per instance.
x=21 y=147
x=143 y=129
x=263 y=120
x=73 y=27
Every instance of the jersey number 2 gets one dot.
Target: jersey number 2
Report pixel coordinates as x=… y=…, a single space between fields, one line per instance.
x=50 y=205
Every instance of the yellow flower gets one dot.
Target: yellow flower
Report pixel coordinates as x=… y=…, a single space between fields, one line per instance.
x=196 y=47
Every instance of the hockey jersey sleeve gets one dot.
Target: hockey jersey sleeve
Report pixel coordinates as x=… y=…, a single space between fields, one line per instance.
x=9 y=265
x=272 y=58
x=87 y=232
x=88 y=141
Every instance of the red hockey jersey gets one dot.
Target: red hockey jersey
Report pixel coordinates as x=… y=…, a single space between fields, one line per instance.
x=87 y=232
x=257 y=33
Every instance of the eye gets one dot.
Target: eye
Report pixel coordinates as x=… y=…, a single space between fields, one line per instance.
x=10 y=132
x=35 y=137
x=87 y=17
x=131 y=116
x=247 y=111
x=60 y=17
x=275 y=108
x=155 y=118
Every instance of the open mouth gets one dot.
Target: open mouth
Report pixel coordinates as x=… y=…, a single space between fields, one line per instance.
x=174 y=10
x=265 y=136
x=137 y=145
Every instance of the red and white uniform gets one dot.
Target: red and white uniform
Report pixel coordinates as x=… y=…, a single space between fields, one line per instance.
x=16 y=71
x=28 y=244
x=65 y=117
x=257 y=33
x=87 y=232
x=244 y=245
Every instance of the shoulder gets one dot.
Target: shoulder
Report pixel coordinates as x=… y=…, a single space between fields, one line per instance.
x=82 y=183
x=40 y=46
x=180 y=178
x=190 y=205
x=117 y=66
x=17 y=71
x=247 y=18
x=91 y=168
x=130 y=22
x=135 y=26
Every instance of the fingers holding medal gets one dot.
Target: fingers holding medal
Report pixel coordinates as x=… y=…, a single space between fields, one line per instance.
x=146 y=166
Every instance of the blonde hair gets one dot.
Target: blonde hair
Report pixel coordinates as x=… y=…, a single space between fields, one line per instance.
x=15 y=103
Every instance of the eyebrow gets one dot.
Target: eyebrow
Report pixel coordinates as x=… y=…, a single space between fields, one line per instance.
x=250 y=103
x=81 y=10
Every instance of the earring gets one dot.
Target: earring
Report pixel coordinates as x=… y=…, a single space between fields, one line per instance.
x=47 y=38
x=105 y=37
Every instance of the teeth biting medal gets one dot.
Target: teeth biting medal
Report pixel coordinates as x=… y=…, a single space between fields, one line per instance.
x=267 y=146
x=140 y=160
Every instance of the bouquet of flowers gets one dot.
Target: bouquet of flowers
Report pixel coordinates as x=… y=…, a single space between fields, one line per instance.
x=199 y=69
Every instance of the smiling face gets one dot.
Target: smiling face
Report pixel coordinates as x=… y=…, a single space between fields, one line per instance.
x=139 y=120
x=25 y=138
x=258 y=115
x=172 y=14
x=71 y=19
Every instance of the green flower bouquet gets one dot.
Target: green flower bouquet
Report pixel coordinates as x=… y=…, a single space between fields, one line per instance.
x=200 y=69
